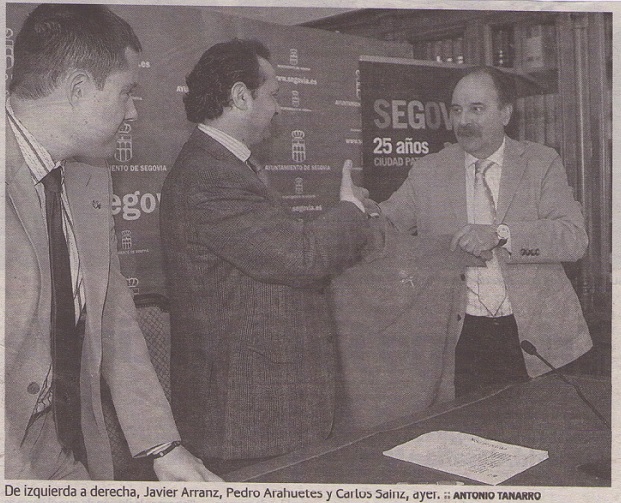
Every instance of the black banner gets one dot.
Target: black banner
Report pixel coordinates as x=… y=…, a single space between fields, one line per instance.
x=405 y=116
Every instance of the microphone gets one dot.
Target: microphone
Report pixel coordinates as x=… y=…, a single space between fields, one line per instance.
x=602 y=468
x=529 y=347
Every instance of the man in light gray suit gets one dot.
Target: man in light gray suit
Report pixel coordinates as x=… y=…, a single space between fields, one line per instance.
x=507 y=202
x=69 y=316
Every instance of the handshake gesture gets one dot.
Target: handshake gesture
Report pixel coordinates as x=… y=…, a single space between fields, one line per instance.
x=478 y=240
x=354 y=194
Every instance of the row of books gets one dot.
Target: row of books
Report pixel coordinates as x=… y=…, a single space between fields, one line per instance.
x=536 y=51
x=449 y=50
x=539 y=47
x=539 y=119
x=503 y=51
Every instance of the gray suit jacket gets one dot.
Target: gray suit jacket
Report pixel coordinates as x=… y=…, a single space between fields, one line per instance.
x=253 y=349
x=394 y=314
x=114 y=346
x=547 y=228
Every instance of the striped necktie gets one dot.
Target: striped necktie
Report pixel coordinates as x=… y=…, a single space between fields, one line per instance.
x=491 y=289
x=484 y=208
x=258 y=168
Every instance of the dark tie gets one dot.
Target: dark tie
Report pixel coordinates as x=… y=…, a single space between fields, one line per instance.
x=65 y=341
x=258 y=168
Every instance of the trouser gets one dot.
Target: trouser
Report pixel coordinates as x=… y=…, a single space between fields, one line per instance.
x=488 y=354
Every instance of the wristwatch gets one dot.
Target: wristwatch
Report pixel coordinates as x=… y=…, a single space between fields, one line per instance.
x=170 y=448
x=502 y=231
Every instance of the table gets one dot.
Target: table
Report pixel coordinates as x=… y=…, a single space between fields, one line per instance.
x=543 y=413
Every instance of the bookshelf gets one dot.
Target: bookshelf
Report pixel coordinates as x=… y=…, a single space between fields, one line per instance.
x=568 y=55
x=447 y=50
x=530 y=47
x=503 y=46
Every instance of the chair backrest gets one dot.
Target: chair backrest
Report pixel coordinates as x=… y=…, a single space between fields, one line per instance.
x=154 y=321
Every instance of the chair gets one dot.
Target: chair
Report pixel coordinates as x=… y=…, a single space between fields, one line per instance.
x=154 y=321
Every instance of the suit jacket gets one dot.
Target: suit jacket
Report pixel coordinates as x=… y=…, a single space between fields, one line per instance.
x=252 y=346
x=394 y=314
x=114 y=346
x=547 y=227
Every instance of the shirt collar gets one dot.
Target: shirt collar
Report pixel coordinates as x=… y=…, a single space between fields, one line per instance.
x=236 y=147
x=37 y=158
x=497 y=157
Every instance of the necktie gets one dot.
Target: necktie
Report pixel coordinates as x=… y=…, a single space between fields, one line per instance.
x=65 y=341
x=258 y=168
x=490 y=284
x=484 y=209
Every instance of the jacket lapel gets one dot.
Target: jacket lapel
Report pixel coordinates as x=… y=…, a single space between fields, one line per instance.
x=21 y=192
x=217 y=150
x=457 y=186
x=88 y=194
x=512 y=172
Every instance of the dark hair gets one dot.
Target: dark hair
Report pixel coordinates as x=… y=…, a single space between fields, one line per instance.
x=56 y=38
x=220 y=67
x=503 y=82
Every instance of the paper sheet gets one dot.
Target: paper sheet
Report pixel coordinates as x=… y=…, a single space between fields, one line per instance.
x=466 y=455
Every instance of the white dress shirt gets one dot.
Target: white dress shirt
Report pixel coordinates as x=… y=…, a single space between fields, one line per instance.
x=492 y=176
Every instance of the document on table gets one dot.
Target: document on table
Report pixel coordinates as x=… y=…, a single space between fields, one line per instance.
x=469 y=456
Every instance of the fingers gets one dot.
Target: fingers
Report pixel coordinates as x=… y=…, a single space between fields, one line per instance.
x=209 y=476
x=346 y=175
x=347 y=185
x=458 y=236
x=360 y=192
x=478 y=240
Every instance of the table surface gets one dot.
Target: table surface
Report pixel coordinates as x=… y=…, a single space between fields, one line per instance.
x=544 y=413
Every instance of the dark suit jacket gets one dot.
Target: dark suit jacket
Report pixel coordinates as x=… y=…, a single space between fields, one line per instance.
x=547 y=227
x=113 y=345
x=253 y=350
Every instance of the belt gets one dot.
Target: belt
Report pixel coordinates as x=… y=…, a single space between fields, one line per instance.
x=499 y=320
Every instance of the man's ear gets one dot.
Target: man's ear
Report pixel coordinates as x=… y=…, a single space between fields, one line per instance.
x=240 y=96
x=507 y=112
x=78 y=85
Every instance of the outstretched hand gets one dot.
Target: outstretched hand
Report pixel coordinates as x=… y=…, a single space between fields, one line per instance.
x=348 y=188
x=349 y=191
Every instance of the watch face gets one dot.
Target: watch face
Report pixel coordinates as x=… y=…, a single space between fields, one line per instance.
x=502 y=231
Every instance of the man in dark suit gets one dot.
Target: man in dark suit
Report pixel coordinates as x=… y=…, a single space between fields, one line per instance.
x=253 y=349
x=70 y=319
x=509 y=203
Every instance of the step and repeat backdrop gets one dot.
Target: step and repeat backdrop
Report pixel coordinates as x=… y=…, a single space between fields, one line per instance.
x=341 y=97
x=319 y=127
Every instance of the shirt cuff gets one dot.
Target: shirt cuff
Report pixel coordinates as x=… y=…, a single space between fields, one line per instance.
x=356 y=201
x=507 y=245
x=154 y=450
